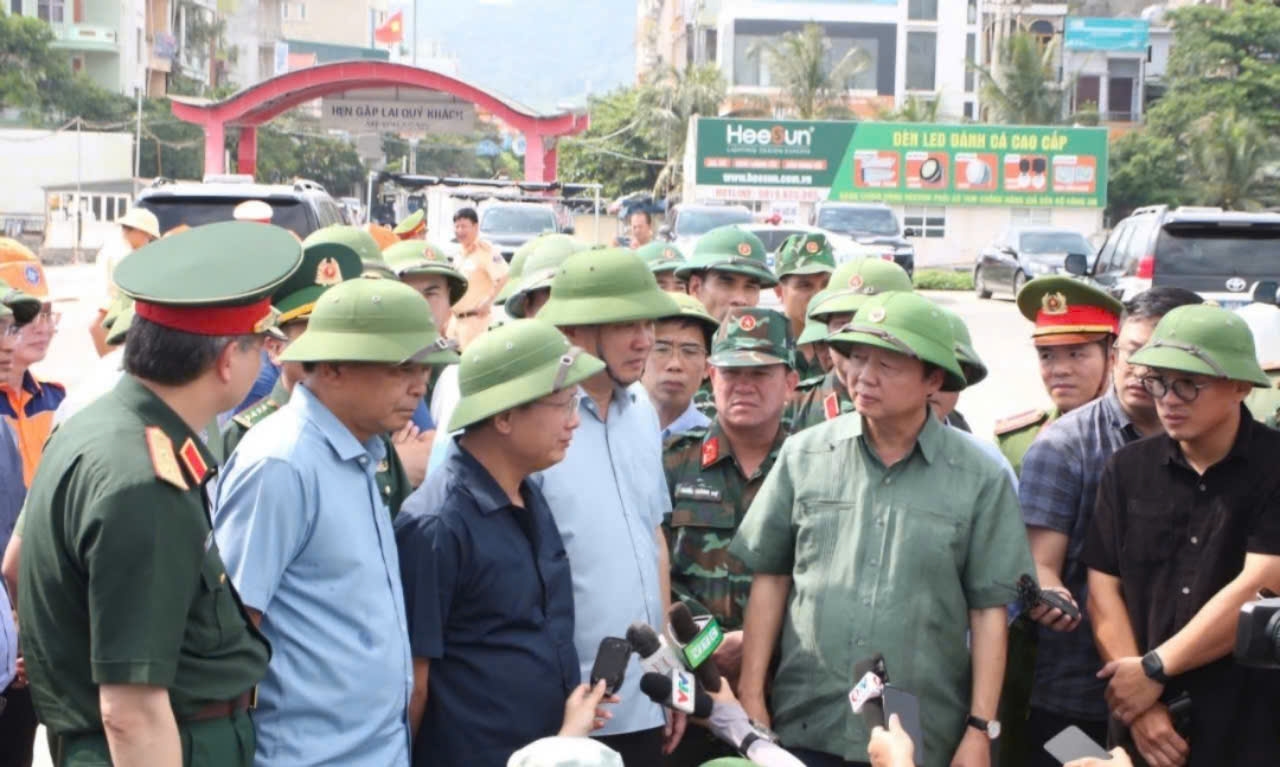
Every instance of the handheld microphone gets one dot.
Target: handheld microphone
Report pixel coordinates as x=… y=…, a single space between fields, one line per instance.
x=655 y=654
x=685 y=631
x=677 y=691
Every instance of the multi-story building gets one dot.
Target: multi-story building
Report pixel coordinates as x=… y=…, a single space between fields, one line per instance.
x=255 y=31
x=340 y=22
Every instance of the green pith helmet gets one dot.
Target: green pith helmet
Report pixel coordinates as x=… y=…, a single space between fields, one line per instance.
x=856 y=281
x=1067 y=311
x=324 y=264
x=24 y=306
x=730 y=249
x=805 y=254
x=420 y=257
x=540 y=269
x=971 y=364
x=814 y=331
x=907 y=323
x=515 y=270
x=120 y=327
x=358 y=240
x=117 y=305
x=752 y=337
x=371 y=320
x=598 y=287
x=661 y=256
x=518 y=363
x=1203 y=340
x=411 y=224
x=691 y=308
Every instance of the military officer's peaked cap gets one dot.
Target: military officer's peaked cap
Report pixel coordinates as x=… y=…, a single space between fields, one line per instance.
x=214 y=280
x=1067 y=311
x=371 y=320
x=324 y=264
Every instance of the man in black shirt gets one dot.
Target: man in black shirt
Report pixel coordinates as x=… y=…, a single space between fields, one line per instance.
x=1186 y=529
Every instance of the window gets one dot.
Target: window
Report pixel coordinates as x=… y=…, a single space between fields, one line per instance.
x=1031 y=216
x=1043 y=32
x=968 y=110
x=302 y=11
x=972 y=18
x=922 y=10
x=15 y=7
x=930 y=223
x=748 y=64
x=970 y=59
x=870 y=47
x=284 y=10
x=51 y=10
x=922 y=60
x=711 y=46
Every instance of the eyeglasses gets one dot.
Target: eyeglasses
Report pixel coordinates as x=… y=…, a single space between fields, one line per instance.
x=691 y=352
x=49 y=317
x=570 y=407
x=1183 y=388
x=9 y=330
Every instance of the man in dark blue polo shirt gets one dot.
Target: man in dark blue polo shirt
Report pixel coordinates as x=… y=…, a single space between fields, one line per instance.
x=488 y=593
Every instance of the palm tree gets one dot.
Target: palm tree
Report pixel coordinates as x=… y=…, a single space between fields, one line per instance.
x=914 y=110
x=1026 y=91
x=667 y=103
x=1229 y=161
x=799 y=65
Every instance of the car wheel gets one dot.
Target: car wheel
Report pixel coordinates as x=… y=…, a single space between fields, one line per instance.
x=1019 y=279
x=980 y=284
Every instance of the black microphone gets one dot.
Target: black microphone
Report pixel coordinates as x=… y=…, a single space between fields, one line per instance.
x=655 y=654
x=869 y=681
x=662 y=691
x=685 y=631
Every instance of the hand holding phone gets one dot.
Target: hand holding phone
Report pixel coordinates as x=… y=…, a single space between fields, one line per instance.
x=611 y=663
x=1072 y=744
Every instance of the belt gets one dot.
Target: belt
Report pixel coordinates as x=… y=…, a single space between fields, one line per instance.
x=473 y=313
x=224 y=708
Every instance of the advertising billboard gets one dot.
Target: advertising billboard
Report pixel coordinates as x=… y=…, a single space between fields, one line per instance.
x=900 y=163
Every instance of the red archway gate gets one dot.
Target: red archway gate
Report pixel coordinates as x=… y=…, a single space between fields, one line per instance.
x=258 y=104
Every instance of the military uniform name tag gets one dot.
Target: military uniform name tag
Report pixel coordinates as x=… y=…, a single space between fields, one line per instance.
x=687 y=491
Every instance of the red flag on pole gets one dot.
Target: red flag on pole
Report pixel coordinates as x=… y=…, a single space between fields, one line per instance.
x=392 y=31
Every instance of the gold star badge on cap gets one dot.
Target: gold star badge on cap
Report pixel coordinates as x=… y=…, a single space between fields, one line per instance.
x=811 y=246
x=1054 y=303
x=747 y=323
x=744 y=249
x=855 y=281
x=328 y=272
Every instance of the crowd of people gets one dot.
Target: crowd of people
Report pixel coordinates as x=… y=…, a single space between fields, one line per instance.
x=351 y=500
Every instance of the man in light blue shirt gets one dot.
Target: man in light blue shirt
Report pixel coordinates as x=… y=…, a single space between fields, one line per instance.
x=609 y=494
x=307 y=539
x=678 y=364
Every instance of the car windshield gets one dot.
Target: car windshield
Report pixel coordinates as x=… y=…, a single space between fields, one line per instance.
x=196 y=211
x=691 y=223
x=1212 y=251
x=518 y=221
x=773 y=238
x=1053 y=242
x=858 y=220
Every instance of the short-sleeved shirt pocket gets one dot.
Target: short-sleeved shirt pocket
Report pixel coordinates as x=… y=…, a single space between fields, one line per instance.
x=214 y=617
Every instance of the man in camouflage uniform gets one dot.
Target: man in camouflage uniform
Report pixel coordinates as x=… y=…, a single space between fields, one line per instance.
x=804 y=267
x=851 y=285
x=714 y=474
x=811 y=346
x=1075 y=325
x=324 y=264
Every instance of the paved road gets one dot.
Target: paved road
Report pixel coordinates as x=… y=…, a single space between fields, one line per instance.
x=1001 y=335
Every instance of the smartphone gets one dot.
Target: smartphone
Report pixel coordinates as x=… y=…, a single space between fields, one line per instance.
x=611 y=663
x=907 y=707
x=1072 y=743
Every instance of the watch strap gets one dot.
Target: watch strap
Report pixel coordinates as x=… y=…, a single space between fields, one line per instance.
x=1153 y=667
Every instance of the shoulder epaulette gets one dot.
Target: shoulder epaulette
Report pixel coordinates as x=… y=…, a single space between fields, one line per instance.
x=250 y=416
x=690 y=435
x=1020 y=421
x=163 y=460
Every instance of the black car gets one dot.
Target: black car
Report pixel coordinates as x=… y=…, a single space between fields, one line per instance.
x=1021 y=253
x=869 y=224
x=1219 y=254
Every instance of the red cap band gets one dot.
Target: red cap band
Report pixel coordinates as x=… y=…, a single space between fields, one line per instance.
x=244 y=319
x=1079 y=318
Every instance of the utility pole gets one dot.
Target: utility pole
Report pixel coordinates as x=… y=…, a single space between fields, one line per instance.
x=415 y=33
x=137 y=138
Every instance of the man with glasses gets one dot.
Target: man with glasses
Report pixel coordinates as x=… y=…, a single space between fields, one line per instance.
x=29 y=401
x=677 y=365
x=1059 y=486
x=714 y=474
x=488 y=590
x=1186 y=529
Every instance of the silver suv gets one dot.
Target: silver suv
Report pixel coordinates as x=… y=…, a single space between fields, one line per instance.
x=303 y=206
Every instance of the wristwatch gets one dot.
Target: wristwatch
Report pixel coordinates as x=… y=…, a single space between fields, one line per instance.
x=1153 y=667
x=990 y=728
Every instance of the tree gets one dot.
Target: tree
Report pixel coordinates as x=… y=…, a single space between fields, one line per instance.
x=1221 y=61
x=666 y=104
x=1146 y=169
x=1027 y=91
x=800 y=66
x=615 y=151
x=1228 y=157
x=913 y=110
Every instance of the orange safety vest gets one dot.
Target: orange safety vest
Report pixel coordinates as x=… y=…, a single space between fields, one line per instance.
x=29 y=412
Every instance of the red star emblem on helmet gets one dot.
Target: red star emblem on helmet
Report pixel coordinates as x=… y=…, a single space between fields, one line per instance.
x=747 y=322
x=744 y=249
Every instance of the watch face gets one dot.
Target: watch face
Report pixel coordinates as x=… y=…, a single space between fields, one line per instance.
x=993 y=730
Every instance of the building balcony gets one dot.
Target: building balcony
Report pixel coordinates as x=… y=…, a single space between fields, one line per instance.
x=85 y=37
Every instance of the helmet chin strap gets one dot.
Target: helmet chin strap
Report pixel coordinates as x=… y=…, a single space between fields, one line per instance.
x=607 y=367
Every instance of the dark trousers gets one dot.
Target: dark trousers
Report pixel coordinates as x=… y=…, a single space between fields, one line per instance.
x=820 y=759
x=697 y=747
x=17 y=728
x=1043 y=725
x=637 y=749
